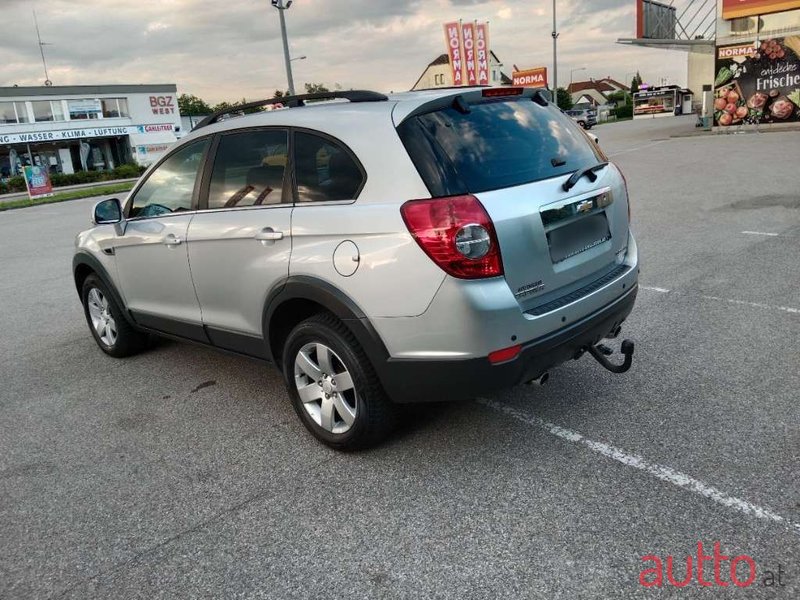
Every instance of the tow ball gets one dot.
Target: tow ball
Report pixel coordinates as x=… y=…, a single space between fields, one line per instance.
x=600 y=352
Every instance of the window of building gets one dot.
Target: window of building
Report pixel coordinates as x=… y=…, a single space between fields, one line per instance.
x=170 y=187
x=324 y=170
x=115 y=107
x=47 y=110
x=249 y=169
x=84 y=108
x=7 y=112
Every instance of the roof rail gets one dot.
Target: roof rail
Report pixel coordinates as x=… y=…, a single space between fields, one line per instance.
x=294 y=101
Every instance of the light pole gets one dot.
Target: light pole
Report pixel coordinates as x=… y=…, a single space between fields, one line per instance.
x=283 y=5
x=555 y=53
x=571 y=71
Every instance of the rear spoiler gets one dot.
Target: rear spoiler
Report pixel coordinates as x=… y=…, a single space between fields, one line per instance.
x=461 y=98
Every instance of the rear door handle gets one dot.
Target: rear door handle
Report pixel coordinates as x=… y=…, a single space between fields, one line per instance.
x=172 y=240
x=268 y=234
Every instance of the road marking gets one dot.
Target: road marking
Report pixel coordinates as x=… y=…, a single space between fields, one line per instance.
x=661 y=472
x=761 y=233
x=795 y=311
x=787 y=309
x=637 y=148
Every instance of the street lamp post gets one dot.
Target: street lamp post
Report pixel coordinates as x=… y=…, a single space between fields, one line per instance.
x=571 y=71
x=555 y=52
x=283 y=5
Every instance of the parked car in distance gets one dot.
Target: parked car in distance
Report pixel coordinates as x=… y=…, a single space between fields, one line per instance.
x=379 y=250
x=585 y=117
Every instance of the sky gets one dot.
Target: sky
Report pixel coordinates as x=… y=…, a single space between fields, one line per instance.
x=231 y=49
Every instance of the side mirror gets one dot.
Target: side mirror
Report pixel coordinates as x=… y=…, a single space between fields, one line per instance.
x=107 y=212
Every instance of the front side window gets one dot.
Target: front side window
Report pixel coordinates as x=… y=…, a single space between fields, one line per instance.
x=249 y=169
x=324 y=170
x=169 y=189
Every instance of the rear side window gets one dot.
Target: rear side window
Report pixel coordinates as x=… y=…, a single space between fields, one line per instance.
x=324 y=170
x=248 y=169
x=497 y=144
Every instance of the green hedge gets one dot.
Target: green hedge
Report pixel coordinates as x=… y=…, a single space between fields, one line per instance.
x=126 y=171
x=624 y=112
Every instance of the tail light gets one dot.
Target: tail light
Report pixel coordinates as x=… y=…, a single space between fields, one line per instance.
x=457 y=233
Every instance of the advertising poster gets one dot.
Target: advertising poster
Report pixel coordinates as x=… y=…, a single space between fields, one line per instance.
x=734 y=9
x=758 y=84
x=37 y=181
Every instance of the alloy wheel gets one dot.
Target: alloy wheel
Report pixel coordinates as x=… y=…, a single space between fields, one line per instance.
x=100 y=314
x=325 y=387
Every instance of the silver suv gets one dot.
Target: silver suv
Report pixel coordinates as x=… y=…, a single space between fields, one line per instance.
x=378 y=250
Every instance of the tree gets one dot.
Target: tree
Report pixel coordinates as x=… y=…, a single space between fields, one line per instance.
x=619 y=98
x=636 y=82
x=223 y=106
x=563 y=99
x=190 y=105
x=316 y=88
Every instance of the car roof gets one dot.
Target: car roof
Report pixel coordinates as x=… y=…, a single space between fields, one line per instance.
x=316 y=115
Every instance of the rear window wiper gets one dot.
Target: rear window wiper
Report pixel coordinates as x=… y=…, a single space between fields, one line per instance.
x=590 y=172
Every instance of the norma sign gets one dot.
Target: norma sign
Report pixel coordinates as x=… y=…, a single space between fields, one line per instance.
x=468 y=52
x=734 y=9
x=530 y=77
x=37 y=181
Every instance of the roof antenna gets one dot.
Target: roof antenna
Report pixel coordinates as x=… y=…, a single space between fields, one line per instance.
x=42 y=44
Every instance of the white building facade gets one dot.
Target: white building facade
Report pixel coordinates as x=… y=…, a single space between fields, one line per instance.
x=86 y=128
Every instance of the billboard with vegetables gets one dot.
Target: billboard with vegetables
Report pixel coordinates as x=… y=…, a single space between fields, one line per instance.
x=758 y=82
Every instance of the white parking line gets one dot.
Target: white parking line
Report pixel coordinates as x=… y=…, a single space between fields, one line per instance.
x=654 y=289
x=661 y=472
x=795 y=311
x=761 y=233
x=637 y=148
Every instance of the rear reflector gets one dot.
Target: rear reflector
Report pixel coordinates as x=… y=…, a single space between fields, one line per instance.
x=495 y=92
x=505 y=354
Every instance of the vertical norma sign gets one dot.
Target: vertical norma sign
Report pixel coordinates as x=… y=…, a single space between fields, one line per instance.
x=470 y=55
x=455 y=50
x=482 y=53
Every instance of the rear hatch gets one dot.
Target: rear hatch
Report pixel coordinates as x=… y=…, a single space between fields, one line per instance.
x=515 y=154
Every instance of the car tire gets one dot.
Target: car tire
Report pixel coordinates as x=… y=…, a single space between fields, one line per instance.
x=587 y=127
x=110 y=329
x=351 y=413
x=582 y=124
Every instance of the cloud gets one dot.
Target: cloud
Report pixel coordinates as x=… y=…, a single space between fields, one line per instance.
x=232 y=49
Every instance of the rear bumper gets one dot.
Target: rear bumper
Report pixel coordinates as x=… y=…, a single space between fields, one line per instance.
x=413 y=380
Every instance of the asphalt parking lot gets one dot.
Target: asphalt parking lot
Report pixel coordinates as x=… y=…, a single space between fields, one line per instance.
x=182 y=472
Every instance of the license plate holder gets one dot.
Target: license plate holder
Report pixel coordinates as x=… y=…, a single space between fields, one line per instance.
x=578 y=236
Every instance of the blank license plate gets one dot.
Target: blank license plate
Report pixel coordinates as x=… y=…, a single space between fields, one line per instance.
x=578 y=236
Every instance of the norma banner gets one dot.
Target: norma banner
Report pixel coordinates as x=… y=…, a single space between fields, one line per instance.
x=733 y=9
x=758 y=83
x=37 y=181
x=530 y=77
x=452 y=34
x=482 y=51
x=470 y=54
x=468 y=51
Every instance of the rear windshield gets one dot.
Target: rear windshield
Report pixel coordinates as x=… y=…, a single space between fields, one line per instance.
x=497 y=144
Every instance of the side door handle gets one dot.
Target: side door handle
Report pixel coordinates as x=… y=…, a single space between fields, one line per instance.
x=268 y=234
x=172 y=240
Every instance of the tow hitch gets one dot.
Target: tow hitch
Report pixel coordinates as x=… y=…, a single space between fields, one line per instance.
x=600 y=352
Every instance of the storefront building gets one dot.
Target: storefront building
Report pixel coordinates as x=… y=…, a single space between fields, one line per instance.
x=661 y=102
x=85 y=128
